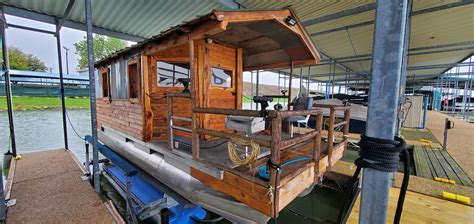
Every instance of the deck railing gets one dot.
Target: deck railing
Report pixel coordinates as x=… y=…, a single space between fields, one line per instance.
x=171 y=117
x=333 y=125
x=276 y=143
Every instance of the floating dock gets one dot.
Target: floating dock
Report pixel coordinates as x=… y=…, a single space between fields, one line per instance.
x=48 y=188
x=419 y=208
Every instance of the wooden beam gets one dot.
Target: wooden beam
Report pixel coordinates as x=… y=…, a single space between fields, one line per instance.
x=147 y=110
x=194 y=74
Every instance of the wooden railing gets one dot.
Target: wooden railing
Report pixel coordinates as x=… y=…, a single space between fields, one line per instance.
x=277 y=143
x=171 y=117
x=332 y=125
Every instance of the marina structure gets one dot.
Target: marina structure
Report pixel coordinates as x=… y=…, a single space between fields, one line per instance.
x=167 y=113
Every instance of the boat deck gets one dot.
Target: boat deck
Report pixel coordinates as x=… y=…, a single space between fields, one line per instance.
x=419 y=208
x=48 y=188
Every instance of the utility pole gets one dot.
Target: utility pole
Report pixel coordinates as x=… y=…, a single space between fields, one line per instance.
x=67 y=59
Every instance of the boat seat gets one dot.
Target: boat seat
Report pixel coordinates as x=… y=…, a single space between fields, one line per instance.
x=248 y=125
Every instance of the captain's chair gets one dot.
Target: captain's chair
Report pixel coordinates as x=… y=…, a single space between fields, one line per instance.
x=301 y=103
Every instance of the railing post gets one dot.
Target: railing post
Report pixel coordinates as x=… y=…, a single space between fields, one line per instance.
x=317 y=144
x=193 y=93
x=332 y=119
x=275 y=160
x=347 y=119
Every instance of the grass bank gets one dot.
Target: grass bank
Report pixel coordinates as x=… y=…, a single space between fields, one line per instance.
x=39 y=103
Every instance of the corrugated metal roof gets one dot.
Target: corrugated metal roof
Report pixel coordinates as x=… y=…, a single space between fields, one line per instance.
x=141 y=18
x=145 y=18
x=453 y=25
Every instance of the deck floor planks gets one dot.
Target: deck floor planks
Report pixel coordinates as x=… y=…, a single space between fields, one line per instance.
x=48 y=188
x=421 y=163
x=446 y=166
x=419 y=208
x=435 y=162
x=463 y=177
x=438 y=168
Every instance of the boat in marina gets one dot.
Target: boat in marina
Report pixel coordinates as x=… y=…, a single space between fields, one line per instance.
x=172 y=106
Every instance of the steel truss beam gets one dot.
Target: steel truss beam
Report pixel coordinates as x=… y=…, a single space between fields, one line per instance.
x=14 y=11
x=371 y=22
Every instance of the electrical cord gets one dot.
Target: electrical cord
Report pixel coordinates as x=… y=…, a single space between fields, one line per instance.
x=72 y=126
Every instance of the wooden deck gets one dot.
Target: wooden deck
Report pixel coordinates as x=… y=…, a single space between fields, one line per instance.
x=431 y=162
x=48 y=188
x=420 y=208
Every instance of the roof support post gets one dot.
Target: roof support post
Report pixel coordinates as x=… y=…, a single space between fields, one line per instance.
x=388 y=38
x=6 y=67
x=403 y=78
x=290 y=77
x=8 y=90
x=256 y=88
x=90 y=64
x=61 y=83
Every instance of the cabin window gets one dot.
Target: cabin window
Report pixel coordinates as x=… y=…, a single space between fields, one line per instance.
x=221 y=77
x=169 y=73
x=104 y=75
x=119 y=80
x=133 y=80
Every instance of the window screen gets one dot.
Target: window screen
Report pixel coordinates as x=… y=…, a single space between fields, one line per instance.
x=221 y=77
x=169 y=73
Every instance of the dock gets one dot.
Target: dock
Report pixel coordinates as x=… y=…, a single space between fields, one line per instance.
x=460 y=139
x=419 y=208
x=48 y=188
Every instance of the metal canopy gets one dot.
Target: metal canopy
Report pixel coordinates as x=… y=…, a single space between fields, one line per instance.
x=441 y=33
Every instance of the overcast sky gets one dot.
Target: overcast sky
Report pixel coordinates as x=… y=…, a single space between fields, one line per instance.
x=43 y=45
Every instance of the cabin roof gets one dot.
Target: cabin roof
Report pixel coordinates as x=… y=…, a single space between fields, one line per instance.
x=263 y=34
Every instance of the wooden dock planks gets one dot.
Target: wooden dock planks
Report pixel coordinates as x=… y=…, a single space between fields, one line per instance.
x=419 y=208
x=48 y=188
x=431 y=162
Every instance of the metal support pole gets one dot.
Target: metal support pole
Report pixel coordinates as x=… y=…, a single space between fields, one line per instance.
x=90 y=63
x=389 y=37
x=257 y=93
x=61 y=86
x=301 y=81
x=8 y=90
x=251 y=90
x=290 y=79
x=307 y=80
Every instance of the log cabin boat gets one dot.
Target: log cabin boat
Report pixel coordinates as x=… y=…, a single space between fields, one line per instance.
x=165 y=105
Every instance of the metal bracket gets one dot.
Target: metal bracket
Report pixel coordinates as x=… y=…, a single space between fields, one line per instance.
x=153 y=209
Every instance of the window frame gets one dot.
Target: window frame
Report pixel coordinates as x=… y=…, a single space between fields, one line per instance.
x=232 y=77
x=105 y=71
x=157 y=83
x=134 y=62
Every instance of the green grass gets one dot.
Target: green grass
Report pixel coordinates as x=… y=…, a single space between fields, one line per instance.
x=38 y=103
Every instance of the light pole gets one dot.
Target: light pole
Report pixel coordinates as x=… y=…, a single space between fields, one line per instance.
x=67 y=62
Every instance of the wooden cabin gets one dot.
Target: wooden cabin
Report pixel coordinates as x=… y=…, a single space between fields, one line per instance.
x=140 y=95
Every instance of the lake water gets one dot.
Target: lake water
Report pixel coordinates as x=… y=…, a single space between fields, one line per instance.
x=42 y=130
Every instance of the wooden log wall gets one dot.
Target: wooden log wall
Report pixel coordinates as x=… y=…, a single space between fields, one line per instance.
x=122 y=115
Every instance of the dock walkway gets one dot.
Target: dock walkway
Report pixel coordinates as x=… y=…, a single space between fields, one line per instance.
x=460 y=139
x=420 y=208
x=432 y=162
x=48 y=188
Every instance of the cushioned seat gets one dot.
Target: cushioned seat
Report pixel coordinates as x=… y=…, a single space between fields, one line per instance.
x=245 y=124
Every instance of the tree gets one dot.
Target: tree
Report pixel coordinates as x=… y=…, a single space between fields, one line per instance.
x=22 y=61
x=103 y=46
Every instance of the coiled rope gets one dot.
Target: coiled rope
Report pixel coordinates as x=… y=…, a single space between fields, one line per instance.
x=234 y=156
x=382 y=155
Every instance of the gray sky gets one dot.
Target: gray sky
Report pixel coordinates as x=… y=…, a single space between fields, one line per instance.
x=43 y=45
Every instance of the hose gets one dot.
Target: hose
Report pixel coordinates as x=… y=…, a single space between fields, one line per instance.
x=235 y=158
